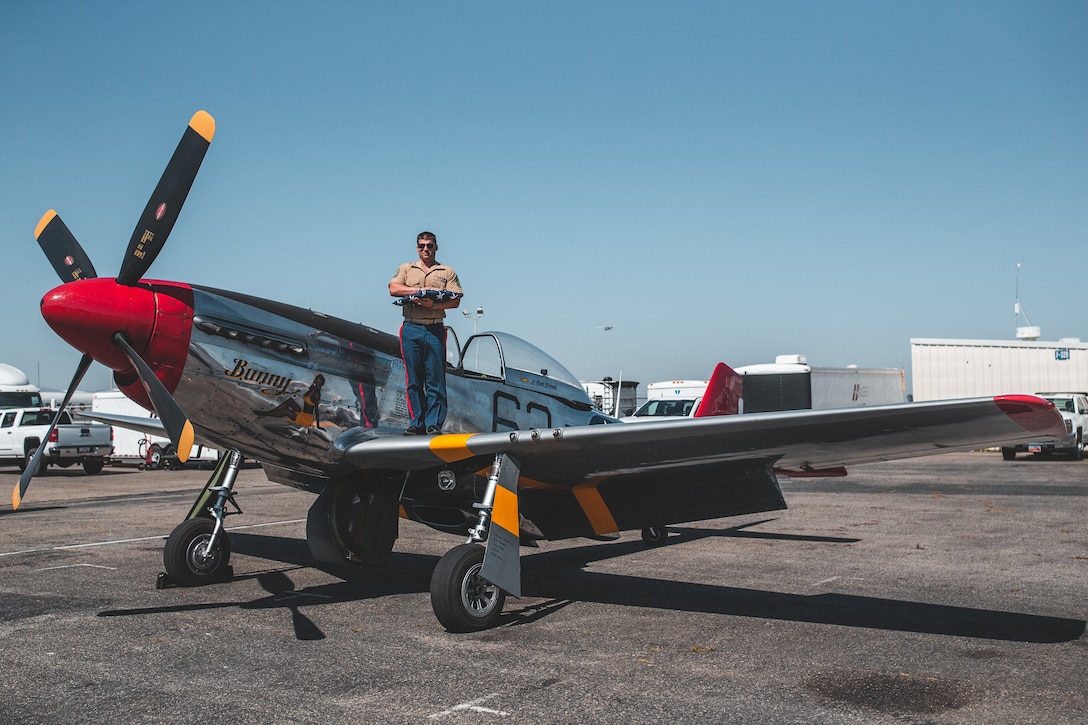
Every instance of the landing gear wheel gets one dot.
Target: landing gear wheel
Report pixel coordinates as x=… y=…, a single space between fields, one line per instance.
x=1009 y=454
x=462 y=601
x=654 y=535
x=187 y=559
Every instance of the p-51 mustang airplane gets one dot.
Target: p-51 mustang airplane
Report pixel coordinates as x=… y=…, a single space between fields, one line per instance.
x=320 y=403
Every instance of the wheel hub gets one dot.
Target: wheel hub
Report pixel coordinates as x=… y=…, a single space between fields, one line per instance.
x=200 y=557
x=477 y=594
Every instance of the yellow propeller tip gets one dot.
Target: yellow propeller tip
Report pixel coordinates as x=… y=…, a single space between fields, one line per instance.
x=16 y=498
x=185 y=442
x=203 y=123
x=44 y=222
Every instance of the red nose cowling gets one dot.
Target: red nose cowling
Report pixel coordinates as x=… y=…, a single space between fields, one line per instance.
x=157 y=318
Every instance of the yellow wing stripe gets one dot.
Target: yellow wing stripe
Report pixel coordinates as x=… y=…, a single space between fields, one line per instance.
x=203 y=123
x=452 y=447
x=595 y=509
x=505 y=511
x=44 y=222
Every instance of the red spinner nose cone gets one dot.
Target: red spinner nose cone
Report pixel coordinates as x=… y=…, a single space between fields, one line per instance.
x=87 y=313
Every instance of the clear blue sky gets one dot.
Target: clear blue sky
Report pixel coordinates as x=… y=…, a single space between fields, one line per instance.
x=717 y=180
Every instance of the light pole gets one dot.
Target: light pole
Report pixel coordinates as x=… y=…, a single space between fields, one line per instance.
x=474 y=316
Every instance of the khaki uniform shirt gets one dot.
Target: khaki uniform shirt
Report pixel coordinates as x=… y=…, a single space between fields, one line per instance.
x=439 y=276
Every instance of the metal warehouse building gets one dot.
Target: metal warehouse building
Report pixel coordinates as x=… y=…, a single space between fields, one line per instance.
x=943 y=369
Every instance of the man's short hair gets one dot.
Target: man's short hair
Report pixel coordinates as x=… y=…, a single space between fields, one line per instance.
x=427 y=237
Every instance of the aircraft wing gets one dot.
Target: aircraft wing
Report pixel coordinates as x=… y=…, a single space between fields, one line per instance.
x=809 y=440
x=151 y=426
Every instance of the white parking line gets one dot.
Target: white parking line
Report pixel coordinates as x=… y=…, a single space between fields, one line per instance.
x=837 y=578
x=142 y=538
x=472 y=705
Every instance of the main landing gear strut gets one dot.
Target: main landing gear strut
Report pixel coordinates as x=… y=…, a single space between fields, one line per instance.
x=198 y=550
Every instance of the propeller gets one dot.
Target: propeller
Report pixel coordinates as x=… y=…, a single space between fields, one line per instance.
x=72 y=264
x=62 y=250
x=32 y=465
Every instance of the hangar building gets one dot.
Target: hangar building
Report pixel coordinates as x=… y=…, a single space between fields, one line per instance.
x=943 y=369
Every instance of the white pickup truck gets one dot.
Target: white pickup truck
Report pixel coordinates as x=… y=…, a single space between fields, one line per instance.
x=1074 y=410
x=22 y=430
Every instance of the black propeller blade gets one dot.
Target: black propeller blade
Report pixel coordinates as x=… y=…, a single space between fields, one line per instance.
x=167 y=199
x=62 y=250
x=173 y=418
x=32 y=465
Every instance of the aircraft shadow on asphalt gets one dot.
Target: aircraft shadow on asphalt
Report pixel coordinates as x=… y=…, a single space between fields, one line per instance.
x=562 y=577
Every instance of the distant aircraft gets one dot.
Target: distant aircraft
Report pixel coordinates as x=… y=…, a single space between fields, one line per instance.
x=320 y=403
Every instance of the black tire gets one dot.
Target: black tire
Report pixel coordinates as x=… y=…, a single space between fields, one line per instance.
x=655 y=535
x=1077 y=454
x=154 y=460
x=1009 y=454
x=43 y=465
x=462 y=601
x=170 y=460
x=93 y=466
x=185 y=556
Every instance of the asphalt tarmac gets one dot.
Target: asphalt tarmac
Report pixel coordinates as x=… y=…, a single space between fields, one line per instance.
x=951 y=589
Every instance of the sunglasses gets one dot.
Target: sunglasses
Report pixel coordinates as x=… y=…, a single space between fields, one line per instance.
x=428 y=245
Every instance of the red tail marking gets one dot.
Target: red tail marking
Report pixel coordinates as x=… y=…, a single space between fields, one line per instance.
x=723 y=393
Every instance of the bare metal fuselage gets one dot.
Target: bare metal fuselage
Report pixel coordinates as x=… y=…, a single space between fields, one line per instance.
x=280 y=384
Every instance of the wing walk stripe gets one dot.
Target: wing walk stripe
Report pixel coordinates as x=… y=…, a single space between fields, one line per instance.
x=505 y=512
x=452 y=447
x=595 y=509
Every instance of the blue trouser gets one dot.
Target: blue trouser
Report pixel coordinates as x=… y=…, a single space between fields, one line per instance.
x=423 y=348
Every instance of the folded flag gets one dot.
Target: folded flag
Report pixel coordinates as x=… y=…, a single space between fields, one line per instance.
x=438 y=295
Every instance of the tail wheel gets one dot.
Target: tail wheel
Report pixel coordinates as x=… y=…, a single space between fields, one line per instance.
x=187 y=558
x=462 y=600
x=654 y=535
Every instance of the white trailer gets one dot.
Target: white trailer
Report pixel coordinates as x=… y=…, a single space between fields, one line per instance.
x=790 y=383
x=135 y=447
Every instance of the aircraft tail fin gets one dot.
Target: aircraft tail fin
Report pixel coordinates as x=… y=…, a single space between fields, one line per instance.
x=723 y=393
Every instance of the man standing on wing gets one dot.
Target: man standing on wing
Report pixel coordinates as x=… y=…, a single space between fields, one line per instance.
x=423 y=334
